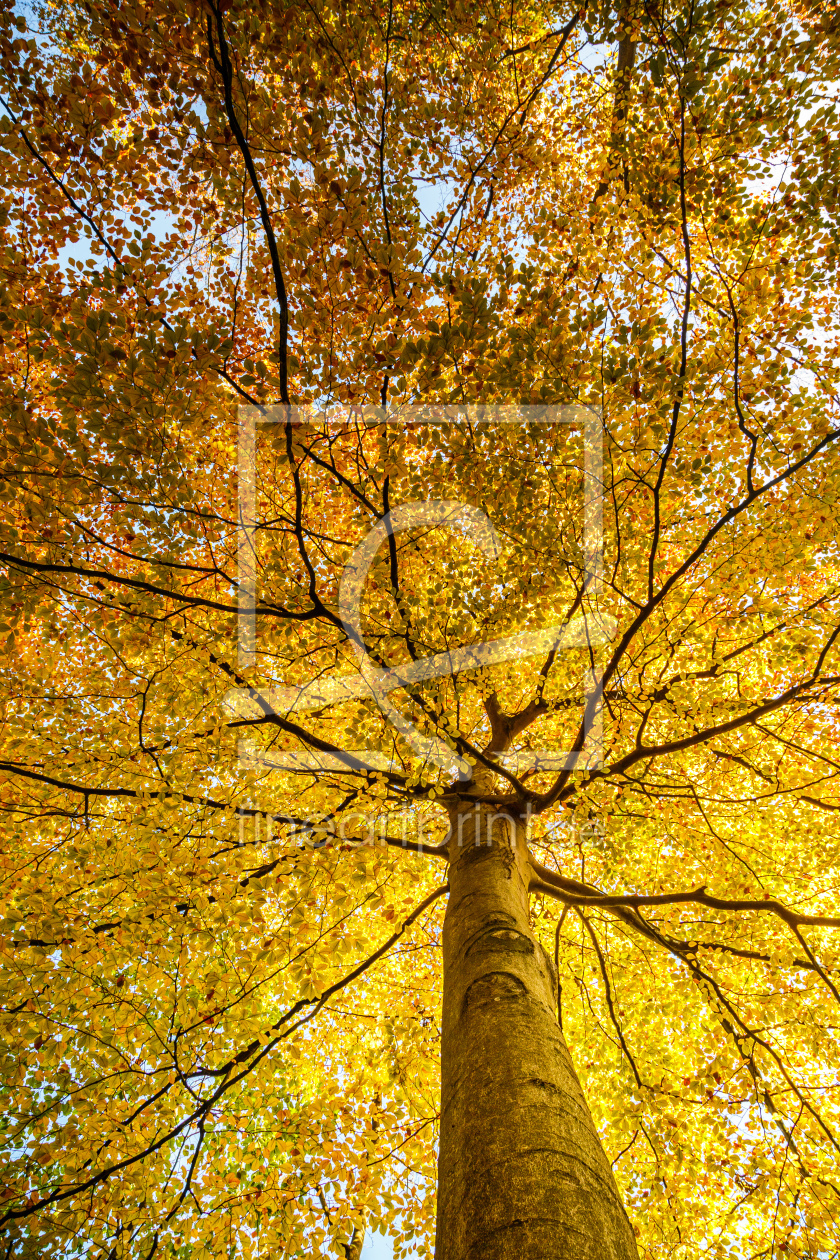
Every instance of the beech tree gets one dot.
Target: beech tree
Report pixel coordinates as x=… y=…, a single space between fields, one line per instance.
x=421 y=613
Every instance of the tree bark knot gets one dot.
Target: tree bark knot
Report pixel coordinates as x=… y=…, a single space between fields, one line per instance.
x=501 y=940
x=496 y=986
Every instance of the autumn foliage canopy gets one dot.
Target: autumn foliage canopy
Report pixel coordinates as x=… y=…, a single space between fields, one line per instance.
x=413 y=252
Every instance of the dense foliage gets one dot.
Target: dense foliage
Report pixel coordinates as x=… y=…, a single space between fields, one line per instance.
x=221 y=930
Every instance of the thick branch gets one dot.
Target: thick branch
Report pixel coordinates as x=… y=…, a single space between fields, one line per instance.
x=572 y=892
x=505 y=727
x=223 y=65
x=623 y=76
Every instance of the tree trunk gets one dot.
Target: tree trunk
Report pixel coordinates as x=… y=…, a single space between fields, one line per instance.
x=522 y=1174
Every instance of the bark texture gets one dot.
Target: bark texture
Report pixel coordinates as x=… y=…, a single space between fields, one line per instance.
x=522 y=1174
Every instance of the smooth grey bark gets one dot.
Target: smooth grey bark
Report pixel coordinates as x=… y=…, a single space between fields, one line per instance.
x=522 y=1174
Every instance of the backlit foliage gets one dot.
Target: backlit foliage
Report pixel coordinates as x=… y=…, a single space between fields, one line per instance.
x=346 y=207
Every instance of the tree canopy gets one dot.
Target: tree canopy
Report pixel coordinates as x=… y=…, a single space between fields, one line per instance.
x=427 y=229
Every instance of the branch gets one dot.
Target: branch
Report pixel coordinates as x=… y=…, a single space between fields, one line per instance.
x=222 y=64
x=316 y=1003
x=505 y=727
x=106 y=245
x=565 y=34
x=623 y=77
x=85 y=790
x=230 y=1080
x=681 y=375
x=645 y=613
x=608 y=993
x=569 y=890
x=151 y=588
x=645 y=752
x=572 y=892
